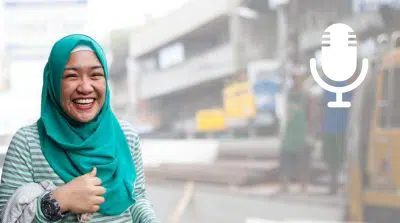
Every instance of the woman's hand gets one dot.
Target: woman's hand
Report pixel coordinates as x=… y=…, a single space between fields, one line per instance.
x=81 y=195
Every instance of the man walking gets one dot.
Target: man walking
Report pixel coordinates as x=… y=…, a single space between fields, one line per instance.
x=333 y=133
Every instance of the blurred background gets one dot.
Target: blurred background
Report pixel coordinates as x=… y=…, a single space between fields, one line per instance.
x=209 y=85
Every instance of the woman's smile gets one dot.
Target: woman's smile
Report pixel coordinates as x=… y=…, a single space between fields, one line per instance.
x=84 y=104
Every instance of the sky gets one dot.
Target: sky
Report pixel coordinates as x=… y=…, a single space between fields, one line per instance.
x=105 y=15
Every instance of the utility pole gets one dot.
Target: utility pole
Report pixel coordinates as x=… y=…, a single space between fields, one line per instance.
x=294 y=30
x=287 y=51
x=282 y=25
x=282 y=32
x=238 y=47
x=235 y=34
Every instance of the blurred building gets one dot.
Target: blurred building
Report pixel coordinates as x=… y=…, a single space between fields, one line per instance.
x=364 y=16
x=118 y=47
x=179 y=64
x=30 y=29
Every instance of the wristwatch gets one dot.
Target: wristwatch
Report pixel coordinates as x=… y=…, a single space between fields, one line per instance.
x=51 y=208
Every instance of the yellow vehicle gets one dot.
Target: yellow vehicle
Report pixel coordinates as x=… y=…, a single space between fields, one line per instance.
x=239 y=105
x=210 y=120
x=239 y=101
x=373 y=143
x=237 y=109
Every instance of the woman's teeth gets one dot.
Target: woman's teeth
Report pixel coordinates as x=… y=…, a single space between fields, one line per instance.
x=84 y=101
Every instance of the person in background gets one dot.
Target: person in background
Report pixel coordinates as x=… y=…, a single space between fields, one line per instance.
x=293 y=146
x=78 y=162
x=333 y=134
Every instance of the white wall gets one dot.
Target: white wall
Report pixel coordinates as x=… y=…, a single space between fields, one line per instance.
x=191 y=16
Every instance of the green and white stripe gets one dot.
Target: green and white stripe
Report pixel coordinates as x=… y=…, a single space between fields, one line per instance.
x=25 y=163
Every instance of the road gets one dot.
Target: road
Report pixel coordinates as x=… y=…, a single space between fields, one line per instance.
x=221 y=204
x=217 y=204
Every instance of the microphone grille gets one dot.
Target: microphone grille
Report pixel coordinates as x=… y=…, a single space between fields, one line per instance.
x=326 y=39
x=352 y=39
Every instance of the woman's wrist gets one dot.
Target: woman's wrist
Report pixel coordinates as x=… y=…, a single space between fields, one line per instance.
x=60 y=195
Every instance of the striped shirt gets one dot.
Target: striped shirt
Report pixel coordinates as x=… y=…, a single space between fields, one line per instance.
x=25 y=162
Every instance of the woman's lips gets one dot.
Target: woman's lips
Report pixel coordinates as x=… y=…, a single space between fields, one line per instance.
x=83 y=106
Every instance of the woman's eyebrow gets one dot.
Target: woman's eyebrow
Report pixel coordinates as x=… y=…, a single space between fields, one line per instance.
x=96 y=67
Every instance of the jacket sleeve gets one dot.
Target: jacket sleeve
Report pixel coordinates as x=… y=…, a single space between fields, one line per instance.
x=19 y=194
x=142 y=211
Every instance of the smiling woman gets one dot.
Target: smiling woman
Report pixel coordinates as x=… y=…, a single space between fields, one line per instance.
x=78 y=162
x=83 y=85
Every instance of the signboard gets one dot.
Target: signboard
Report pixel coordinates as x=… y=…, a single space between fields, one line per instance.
x=210 y=120
x=239 y=102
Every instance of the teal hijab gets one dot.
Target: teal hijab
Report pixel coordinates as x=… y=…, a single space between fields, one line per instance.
x=73 y=148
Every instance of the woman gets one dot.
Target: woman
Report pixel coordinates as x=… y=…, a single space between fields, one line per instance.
x=77 y=162
x=293 y=156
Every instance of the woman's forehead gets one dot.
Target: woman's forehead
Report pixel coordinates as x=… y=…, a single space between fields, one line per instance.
x=83 y=58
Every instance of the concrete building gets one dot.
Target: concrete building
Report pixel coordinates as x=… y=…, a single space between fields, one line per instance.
x=179 y=64
x=362 y=15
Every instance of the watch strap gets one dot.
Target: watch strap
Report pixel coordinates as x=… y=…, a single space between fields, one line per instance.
x=51 y=208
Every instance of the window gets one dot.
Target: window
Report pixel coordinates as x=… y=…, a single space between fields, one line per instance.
x=148 y=65
x=171 y=55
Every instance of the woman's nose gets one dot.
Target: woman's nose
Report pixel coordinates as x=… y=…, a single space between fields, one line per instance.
x=85 y=87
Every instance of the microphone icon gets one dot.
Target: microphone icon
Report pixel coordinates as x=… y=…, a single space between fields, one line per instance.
x=339 y=62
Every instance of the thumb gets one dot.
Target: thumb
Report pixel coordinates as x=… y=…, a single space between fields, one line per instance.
x=93 y=172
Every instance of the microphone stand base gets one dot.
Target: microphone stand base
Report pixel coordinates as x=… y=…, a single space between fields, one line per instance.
x=339 y=104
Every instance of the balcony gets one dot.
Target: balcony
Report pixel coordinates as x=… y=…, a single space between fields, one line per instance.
x=191 y=16
x=213 y=64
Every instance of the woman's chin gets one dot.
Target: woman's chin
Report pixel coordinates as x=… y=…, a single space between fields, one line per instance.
x=82 y=117
x=83 y=114
x=85 y=120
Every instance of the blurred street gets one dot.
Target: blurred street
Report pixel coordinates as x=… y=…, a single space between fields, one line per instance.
x=215 y=204
x=240 y=186
x=231 y=196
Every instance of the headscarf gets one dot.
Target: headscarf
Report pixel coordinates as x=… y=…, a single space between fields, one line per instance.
x=73 y=148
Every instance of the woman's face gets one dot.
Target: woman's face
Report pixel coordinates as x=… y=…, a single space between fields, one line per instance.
x=83 y=88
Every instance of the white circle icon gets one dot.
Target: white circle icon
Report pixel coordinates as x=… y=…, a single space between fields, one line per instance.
x=339 y=62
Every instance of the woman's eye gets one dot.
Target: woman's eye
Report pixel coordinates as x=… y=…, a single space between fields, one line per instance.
x=70 y=75
x=97 y=75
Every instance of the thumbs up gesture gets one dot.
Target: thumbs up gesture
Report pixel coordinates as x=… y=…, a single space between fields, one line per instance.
x=81 y=195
